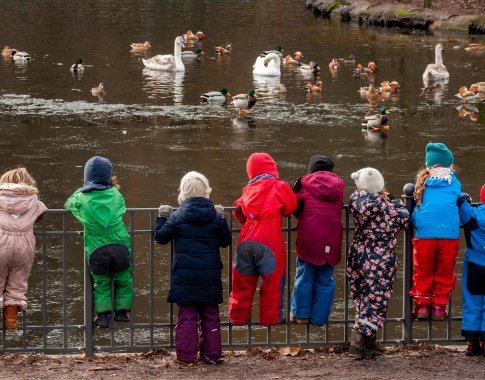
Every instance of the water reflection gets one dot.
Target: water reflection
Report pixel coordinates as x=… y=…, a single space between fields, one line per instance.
x=435 y=92
x=164 y=84
x=244 y=122
x=266 y=86
x=468 y=110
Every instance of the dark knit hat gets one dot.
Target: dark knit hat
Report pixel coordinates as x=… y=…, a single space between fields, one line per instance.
x=97 y=174
x=320 y=164
x=482 y=194
x=438 y=154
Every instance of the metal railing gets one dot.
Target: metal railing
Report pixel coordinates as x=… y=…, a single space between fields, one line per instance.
x=60 y=314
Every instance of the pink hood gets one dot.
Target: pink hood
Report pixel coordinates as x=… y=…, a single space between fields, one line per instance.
x=19 y=207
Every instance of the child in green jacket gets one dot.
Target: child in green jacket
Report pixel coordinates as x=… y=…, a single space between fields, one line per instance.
x=100 y=207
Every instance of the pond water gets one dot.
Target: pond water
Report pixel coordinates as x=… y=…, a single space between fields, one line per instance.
x=154 y=129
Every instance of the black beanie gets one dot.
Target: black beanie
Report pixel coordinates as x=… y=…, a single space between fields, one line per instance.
x=320 y=164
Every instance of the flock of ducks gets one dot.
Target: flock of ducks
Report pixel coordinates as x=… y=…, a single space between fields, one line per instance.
x=268 y=64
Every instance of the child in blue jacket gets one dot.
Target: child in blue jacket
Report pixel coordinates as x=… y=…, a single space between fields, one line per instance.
x=473 y=275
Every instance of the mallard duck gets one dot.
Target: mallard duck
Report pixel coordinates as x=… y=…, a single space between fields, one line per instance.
x=481 y=87
x=279 y=89
x=168 y=62
x=277 y=50
x=194 y=53
x=436 y=71
x=215 y=96
x=20 y=56
x=349 y=60
x=98 y=91
x=377 y=121
x=191 y=37
x=268 y=65
x=295 y=59
x=140 y=46
x=467 y=94
x=224 y=49
x=373 y=96
x=311 y=68
x=314 y=87
x=77 y=67
x=244 y=102
x=334 y=65
x=475 y=48
x=7 y=51
x=390 y=86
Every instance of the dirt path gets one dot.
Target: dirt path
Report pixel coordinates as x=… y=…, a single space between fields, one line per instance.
x=413 y=362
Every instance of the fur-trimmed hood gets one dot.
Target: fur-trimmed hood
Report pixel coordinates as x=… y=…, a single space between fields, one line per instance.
x=16 y=198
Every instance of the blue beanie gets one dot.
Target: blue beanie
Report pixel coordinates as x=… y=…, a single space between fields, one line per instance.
x=438 y=154
x=97 y=174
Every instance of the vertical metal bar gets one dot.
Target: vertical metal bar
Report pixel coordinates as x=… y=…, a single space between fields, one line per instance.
x=44 y=296
x=132 y=234
x=229 y=277
x=64 y=277
x=170 y=305
x=448 y=322
x=288 y=280
x=407 y=333
x=268 y=335
x=88 y=312
x=346 y=284
x=152 y=275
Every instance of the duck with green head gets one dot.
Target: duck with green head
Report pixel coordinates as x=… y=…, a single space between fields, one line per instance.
x=377 y=121
x=244 y=102
x=194 y=53
x=78 y=67
x=277 y=50
x=215 y=96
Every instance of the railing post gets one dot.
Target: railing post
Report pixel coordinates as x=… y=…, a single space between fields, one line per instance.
x=88 y=312
x=408 y=266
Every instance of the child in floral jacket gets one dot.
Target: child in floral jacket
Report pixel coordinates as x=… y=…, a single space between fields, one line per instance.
x=372 y=260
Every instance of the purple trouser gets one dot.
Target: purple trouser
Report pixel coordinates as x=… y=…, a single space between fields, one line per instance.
x=190 y=319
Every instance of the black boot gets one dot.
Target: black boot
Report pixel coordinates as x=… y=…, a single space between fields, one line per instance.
x=357 y=346
x=103 y=319
x=372 y=345
x=122 y=316
x=473 y=348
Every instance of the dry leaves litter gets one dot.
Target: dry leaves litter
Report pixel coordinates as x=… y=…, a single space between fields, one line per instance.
x=420 y=361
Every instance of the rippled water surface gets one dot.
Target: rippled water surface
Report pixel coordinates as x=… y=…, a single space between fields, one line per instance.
x=154 y=129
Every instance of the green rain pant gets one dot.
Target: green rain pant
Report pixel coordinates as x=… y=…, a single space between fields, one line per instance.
x=123 y=291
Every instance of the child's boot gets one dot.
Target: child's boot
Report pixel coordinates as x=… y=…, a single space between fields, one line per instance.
x=438 y=312
x=11 y=315
x=122 y=316
x=357 y=346
x=473 y=348
x=103 y=319
x=372 y=345
x=421 y=312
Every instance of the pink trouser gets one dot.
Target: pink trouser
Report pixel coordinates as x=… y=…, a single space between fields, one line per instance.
x=16 y=259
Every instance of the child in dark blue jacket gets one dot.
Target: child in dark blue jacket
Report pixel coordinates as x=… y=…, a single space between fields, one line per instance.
x=199 y=229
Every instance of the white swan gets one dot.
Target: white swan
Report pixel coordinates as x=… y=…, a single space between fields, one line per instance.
x=436 y=71
x=269 y=65
x=168 y=62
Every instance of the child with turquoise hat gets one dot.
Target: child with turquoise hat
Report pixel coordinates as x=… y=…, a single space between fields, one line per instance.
x=437 y=224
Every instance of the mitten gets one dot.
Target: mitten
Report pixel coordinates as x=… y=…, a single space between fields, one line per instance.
x=463 y=198
x=164 y=211
x=220 y=210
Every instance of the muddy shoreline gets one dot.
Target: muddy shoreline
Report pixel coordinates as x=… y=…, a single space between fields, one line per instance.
x=466 y=16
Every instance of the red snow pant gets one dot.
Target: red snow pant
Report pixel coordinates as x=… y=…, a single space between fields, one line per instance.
x=434 y=277
x=253 y=259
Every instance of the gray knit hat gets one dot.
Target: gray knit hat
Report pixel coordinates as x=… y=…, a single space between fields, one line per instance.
x=368 y=179
x=97 y=174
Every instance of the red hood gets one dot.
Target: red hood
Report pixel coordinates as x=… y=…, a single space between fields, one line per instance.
x=261 y=163
x=325 y=186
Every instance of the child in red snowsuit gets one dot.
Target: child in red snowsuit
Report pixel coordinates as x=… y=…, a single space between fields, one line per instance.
x=261 y=247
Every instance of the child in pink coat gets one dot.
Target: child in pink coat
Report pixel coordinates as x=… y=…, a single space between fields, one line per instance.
x=19 y=209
